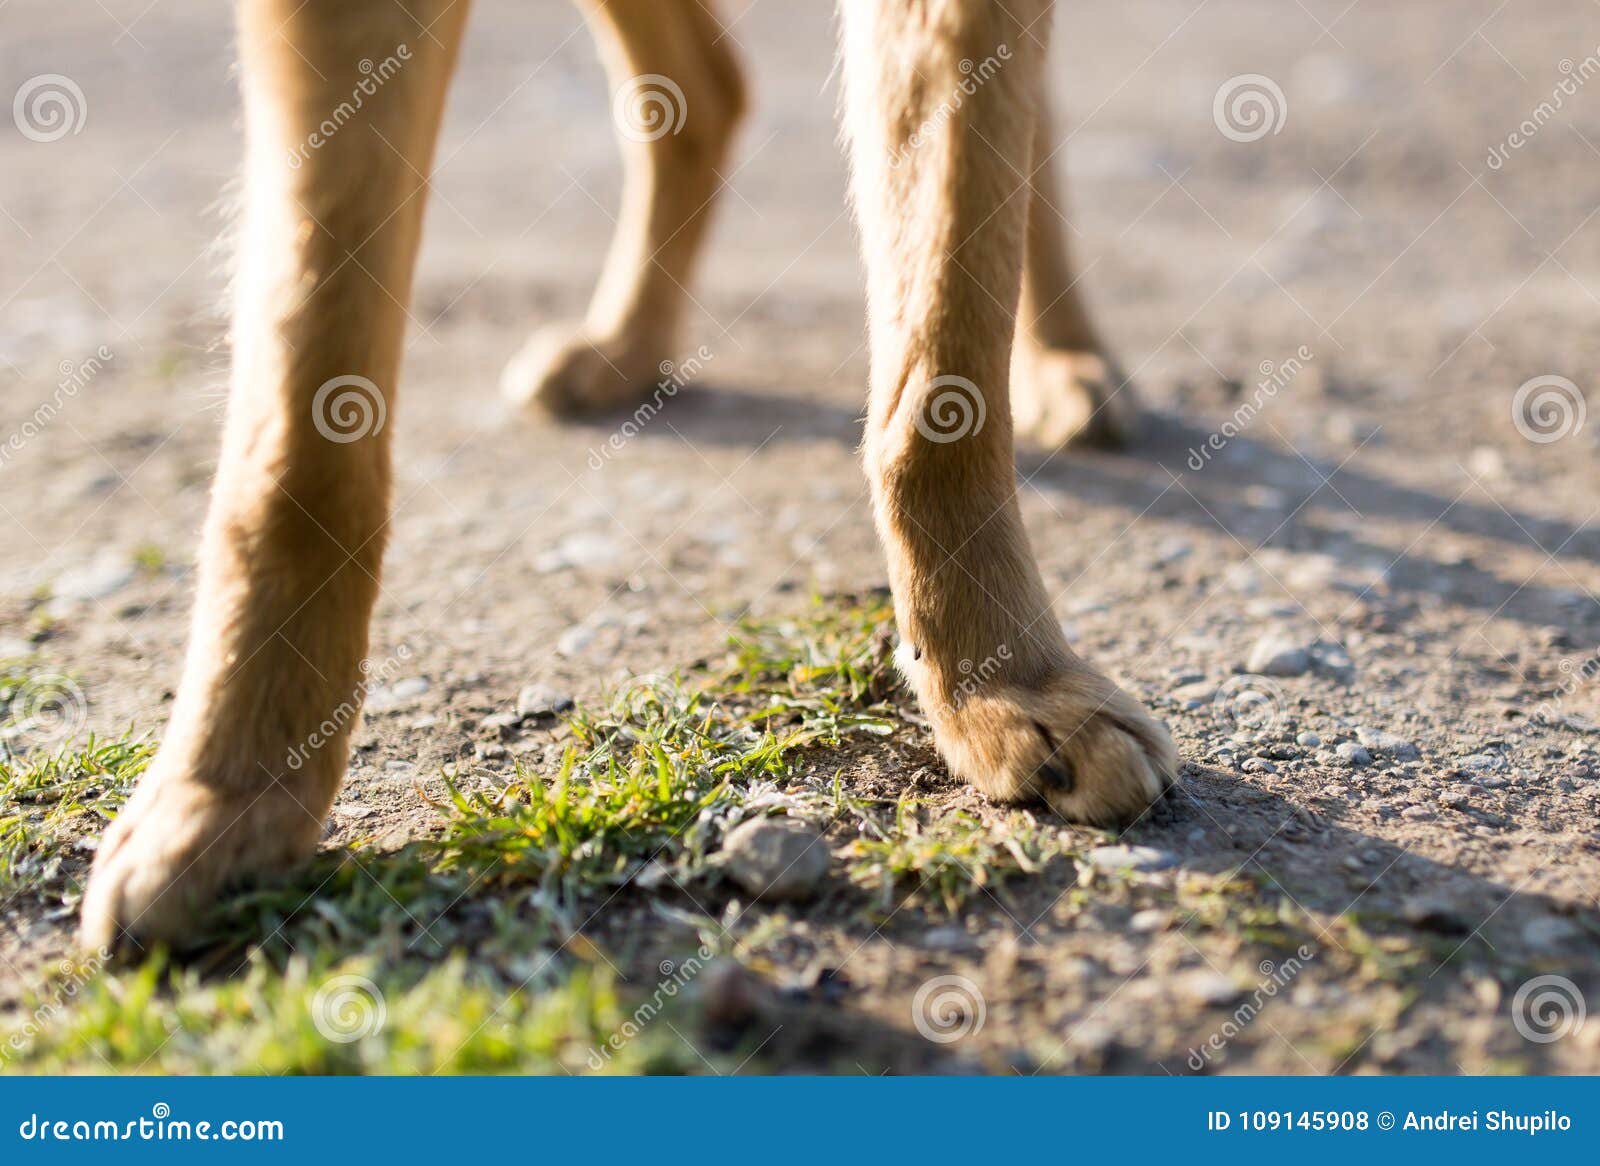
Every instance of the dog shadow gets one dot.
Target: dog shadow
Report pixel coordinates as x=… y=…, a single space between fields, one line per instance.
x=1429 y=929
x=1156 y=478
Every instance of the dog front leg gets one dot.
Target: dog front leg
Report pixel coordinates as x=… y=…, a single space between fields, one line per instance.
x=939 y=163
x=342 y=105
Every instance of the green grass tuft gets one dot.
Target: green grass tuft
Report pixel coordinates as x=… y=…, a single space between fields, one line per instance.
x=349 y=1017
x=953 y=858
x=471 y=937
x=50 y=803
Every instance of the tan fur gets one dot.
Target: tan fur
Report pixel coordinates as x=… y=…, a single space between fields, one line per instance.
x=293 y=543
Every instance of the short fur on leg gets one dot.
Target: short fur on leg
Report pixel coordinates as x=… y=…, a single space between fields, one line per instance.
x=290 y=557
x=943 y=228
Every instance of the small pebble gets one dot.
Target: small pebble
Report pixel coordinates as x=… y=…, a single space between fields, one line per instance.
x=574 y=641
x=536 y=700
x=1548 y=931
x=1150 y=919
x=503 y=723
x=1194 y=695
x=1332 y=660
x=1383 y=743
x=1353 y=755
x=1211 y=990
x=776 y=858
x=1278 y=654
x=1131 y=857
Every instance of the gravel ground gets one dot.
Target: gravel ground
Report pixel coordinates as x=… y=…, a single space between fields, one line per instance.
x=1350 y=563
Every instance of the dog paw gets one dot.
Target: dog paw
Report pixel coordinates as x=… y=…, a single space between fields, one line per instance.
x=1062 y=398
x=571 y=374
x=174 y=847
x=1076 y=742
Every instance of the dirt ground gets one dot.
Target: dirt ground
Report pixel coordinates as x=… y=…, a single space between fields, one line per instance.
x=1417 y=788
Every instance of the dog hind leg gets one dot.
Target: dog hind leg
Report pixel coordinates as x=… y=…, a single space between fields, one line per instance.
x=677 y=96
x=1064 y=388
x=943 y=223
x=342 y=106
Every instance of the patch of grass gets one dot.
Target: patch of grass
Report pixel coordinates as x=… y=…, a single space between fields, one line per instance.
x=952 y=858
x=833 y=661
x=471 y=937
x=48 y=803
x=1246 y=906
x=389 y=905
x=656 y=771
x=150 y=558
x=349 y=1017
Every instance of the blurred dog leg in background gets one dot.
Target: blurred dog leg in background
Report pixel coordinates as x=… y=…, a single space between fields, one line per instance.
x=678 y=96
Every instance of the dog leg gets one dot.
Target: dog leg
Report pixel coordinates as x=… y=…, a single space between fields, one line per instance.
x=943 y=224
x=677 y=96
x=290 y=555
x=1064 y=389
